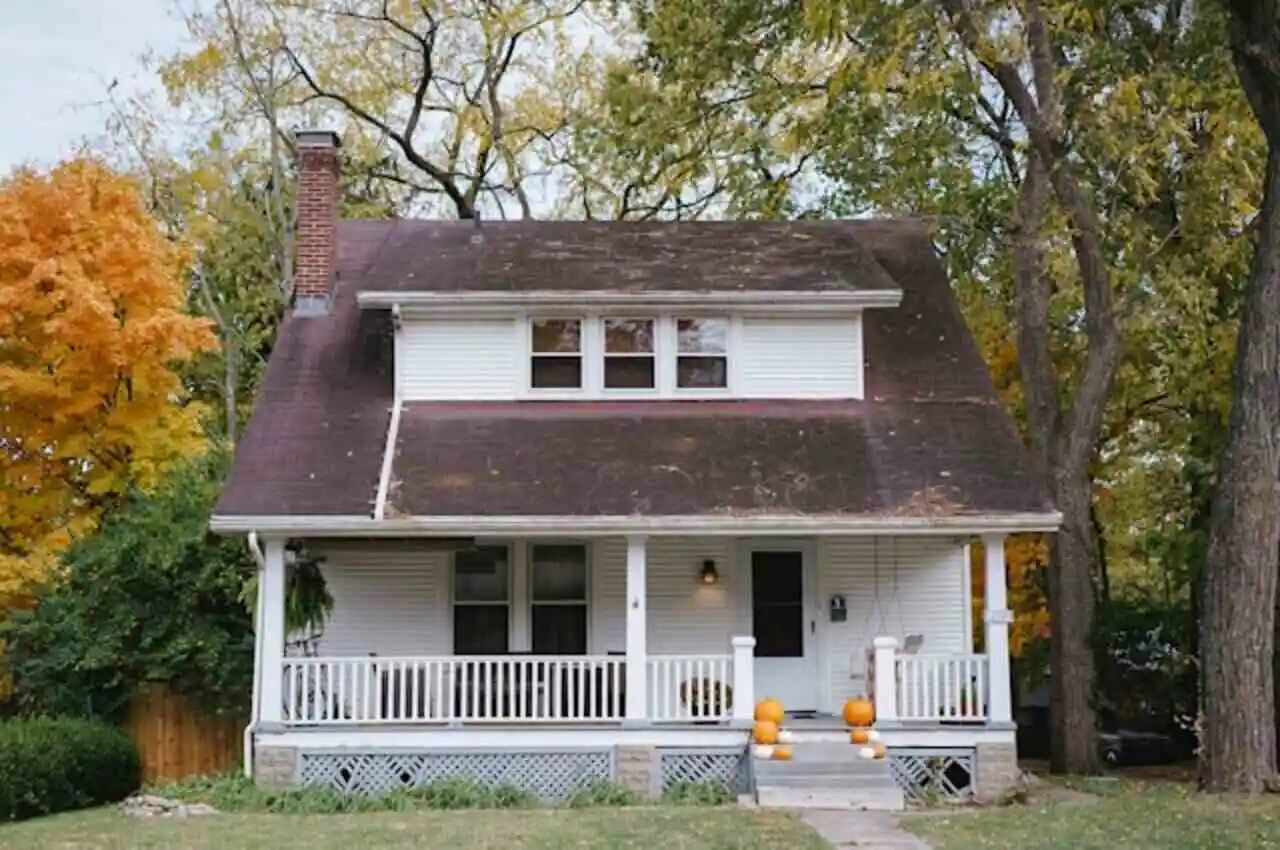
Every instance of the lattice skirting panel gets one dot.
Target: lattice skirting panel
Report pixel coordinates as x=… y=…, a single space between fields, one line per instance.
x=930 y=774
x=732 y=767
x=550 y=775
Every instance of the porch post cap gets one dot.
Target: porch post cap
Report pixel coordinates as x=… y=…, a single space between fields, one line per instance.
x=885 y=643
x=743 y=642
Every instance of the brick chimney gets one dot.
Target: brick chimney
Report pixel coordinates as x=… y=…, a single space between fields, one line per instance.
x=317 y=217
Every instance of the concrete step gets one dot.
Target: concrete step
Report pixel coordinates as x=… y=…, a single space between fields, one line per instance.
x=878 y=769
x=857 y=799
x=823 y=752
x=834 y=783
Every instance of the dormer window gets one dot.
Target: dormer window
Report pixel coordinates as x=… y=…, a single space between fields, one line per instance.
x=702 y=354
x=556 y=354
x=629 y=360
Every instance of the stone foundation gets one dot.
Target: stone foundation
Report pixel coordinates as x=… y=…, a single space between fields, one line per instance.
x=636 y=769
x=995 y=770
x=275 y=767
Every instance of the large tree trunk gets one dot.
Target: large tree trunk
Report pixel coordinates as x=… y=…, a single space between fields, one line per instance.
x=1238 y=747
x=1073 y=744
x=1054 y=442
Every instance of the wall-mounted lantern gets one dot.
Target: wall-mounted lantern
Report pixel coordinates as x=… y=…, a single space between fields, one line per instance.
x=708 y=574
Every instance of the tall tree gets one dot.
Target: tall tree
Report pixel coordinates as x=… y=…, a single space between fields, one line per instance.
x=463 y=105
x=1098 y=142
x=1238 y=750
x=92 y=323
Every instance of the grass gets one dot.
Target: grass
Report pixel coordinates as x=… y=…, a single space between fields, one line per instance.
x=670 y=828
x=1109 y=815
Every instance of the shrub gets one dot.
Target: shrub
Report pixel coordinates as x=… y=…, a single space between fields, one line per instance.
x=698 y=794
x=51 y=765
x=601 y=793
x=235 y=793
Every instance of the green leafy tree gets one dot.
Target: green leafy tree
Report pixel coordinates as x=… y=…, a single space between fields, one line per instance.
x=151 y=596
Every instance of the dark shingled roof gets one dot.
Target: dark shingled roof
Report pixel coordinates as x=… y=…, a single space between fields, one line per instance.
x=929 y=438
x=704 y=256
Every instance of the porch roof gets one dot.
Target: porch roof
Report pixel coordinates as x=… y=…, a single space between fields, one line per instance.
x=707 y=458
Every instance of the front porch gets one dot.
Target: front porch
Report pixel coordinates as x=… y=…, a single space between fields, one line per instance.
x=613 y=610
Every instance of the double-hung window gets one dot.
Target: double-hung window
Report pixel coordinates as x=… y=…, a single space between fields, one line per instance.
x=558 y=598
x=702 y=354
x=629 y=359
x=481 y=601
x=556 y=355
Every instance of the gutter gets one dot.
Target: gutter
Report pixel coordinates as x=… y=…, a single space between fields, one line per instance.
x=612 y=300
x=710 y=525
x=255 y=699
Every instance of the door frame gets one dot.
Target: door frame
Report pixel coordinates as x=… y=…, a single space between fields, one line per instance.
x=808 y=549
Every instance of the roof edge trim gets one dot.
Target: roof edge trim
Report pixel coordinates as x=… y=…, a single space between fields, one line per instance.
x=472 y=301
x=726 y=525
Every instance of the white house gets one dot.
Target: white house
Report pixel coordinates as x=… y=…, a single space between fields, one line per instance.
x=586 y=491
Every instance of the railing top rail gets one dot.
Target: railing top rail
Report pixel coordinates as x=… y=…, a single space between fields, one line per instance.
x=942 y=656
x=448 y=659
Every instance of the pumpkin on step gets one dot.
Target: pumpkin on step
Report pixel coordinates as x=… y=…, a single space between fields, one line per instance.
x=859 y=736
x=859 y=712
x=782 y=753
x=765 y=732
x=771 y=710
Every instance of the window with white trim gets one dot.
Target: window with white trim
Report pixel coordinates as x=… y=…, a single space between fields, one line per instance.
x=630 y=362
x=481 y=601
x=558 y=598
x=555 y=354
x=702 y=354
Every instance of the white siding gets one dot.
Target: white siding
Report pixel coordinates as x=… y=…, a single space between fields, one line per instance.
x=800 y=357
x=460 y=359
x=894 y=587
x=685 y=616
x=388 y=597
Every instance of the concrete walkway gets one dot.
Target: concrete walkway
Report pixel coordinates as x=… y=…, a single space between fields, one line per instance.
x=846 y=830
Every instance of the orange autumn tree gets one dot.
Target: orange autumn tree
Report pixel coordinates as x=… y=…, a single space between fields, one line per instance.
x=1026 y=557
x=92 y=325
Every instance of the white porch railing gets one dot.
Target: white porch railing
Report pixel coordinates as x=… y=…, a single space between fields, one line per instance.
x=501 y=689
x=690 y=688
x=941 y=687
x=464 y=689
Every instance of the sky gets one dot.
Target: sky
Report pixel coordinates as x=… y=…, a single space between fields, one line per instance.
x=56 y=59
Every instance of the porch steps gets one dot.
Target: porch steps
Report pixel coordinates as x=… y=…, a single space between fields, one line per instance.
x=822 y=775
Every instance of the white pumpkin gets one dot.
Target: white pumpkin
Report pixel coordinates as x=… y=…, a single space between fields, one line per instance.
x=765 y=751
x=786 y=736
x=873 y=735
x=867 y=752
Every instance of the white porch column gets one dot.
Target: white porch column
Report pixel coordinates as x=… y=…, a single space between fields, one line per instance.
x=271 y=640
x=886 y=681
x=637 y=633
x=997 y=617
x=744 y=679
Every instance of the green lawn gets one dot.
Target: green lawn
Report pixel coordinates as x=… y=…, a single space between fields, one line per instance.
x=689 y=828
x=1122 y=816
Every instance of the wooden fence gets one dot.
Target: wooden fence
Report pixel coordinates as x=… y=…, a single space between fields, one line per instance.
x=177 y=740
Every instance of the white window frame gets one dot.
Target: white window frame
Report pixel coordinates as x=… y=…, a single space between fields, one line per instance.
x=732 y=333
x=583 y=355
x=655 y=355
x=665 y=353
x=528 y=602
x=509 y=603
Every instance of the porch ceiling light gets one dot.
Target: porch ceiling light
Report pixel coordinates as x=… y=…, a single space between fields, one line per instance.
x=708 y=575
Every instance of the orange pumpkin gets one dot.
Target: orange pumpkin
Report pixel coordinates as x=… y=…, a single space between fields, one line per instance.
x=859 y=712
x=881 y=752
x=765 y=732
x=859 y=736
x=771 y=710
x=782 y=753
